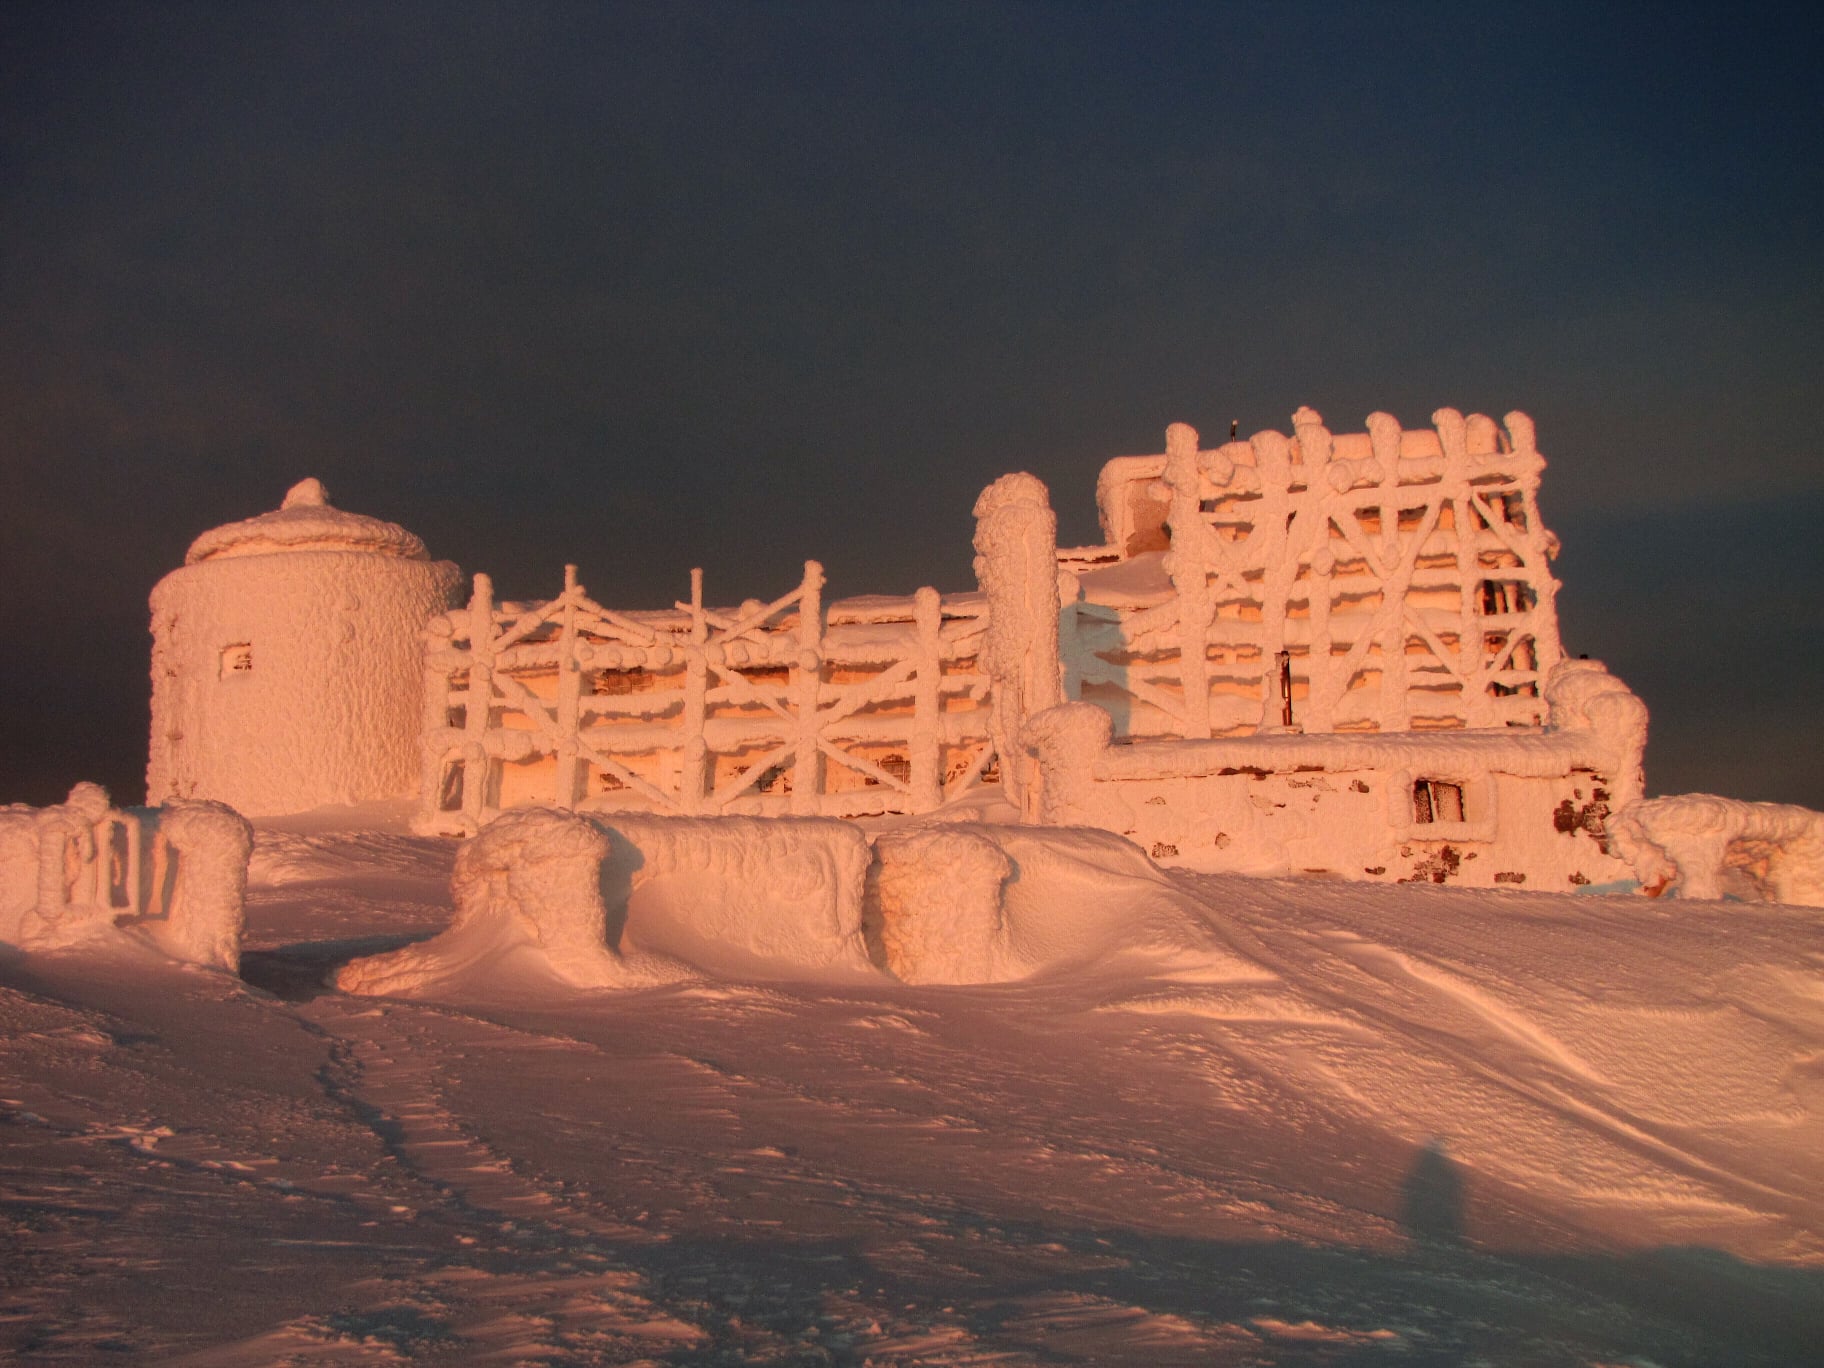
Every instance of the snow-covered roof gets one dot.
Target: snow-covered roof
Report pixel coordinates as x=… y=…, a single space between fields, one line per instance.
x=306 y=522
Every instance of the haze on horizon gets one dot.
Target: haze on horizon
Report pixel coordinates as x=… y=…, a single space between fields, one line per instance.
x=645 y=287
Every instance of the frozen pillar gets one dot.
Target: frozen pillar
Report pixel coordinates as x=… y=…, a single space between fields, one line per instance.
x=1016 y=565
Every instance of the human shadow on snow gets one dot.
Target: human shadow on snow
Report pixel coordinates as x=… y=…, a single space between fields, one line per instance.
x=1027 y=1286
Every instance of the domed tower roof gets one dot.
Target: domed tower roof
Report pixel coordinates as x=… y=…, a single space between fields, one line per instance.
x=306 y=522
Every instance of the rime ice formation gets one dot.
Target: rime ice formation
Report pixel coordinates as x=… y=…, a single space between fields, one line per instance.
x=545 y=893
x=797 y=706
x=72 y=873
x=200 y=853
x=937 y=896
x=65 y=870
x=1586 y=700
x=1314 y=653
x=1321 y=582
x=742 y=895
x=1694 y=843
x=1016 y=564
x=528 y=898
x=285 y=660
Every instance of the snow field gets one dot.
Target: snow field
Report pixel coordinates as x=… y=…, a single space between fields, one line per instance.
x=1201 y=1119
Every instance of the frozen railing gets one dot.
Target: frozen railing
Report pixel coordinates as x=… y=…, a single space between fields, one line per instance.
x=1377 y=581
x=866 y=705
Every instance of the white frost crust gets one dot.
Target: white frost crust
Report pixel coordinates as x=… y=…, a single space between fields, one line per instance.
x=1690 y=841
x=1586 y=700
x=205 y=919
x=53 y=871
x=328 y=709
x=1016 y=566
x=938 y=894
x=528 y=897
x=740 y=895
x=1596 y=724
x=306 y=522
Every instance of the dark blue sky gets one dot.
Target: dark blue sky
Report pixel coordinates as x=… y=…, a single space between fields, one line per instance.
x=651 y=286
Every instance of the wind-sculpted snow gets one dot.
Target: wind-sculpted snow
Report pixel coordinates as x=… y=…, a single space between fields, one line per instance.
x=1693 y=842
x=1215 y=1120
x=528 y=895
x=740 y=895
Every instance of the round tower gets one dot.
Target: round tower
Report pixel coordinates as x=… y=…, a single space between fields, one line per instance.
x=286 y=660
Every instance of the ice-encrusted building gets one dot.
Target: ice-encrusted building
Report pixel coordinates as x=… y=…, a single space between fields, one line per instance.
x=285 y=660
x=1309 y=653
x=1333 y=654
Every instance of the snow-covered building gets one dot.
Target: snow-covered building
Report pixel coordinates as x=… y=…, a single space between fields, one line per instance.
x=1314 y=653
x=1324 y=654
x=286 y=660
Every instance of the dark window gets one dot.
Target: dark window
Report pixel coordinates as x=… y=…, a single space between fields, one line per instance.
x=1436 y=800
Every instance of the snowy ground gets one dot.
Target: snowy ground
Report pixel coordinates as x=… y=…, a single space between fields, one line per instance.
x=1230 y=1122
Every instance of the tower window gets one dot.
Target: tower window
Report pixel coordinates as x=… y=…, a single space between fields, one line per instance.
x=237 y=660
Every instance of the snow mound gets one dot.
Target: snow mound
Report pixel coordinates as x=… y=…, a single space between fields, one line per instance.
x=528 y=906
x=741 y=896
x=1085 y=898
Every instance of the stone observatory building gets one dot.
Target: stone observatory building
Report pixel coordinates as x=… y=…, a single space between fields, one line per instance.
x=286 y=660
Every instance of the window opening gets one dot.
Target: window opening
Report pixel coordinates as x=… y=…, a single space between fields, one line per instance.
x=1436 y=800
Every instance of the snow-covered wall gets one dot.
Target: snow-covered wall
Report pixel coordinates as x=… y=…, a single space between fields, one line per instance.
x=741 y=895
x=1509 y=807
x=285 y=660
x=549 y=894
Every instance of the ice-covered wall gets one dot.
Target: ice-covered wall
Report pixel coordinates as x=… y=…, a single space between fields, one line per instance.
x=1518 y=807
x=285 y=660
